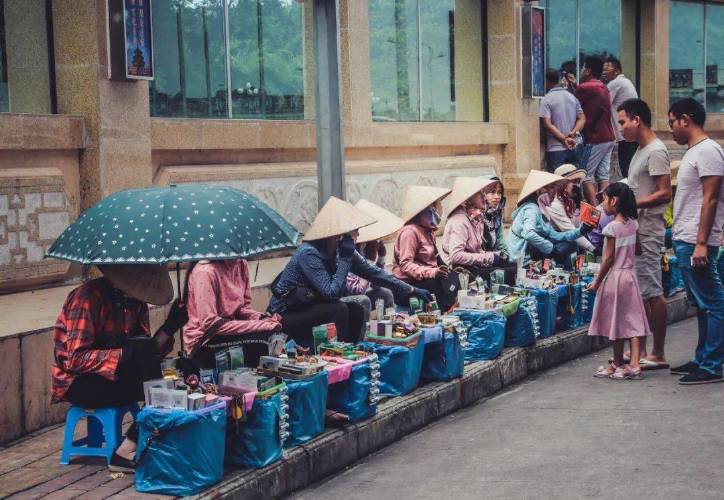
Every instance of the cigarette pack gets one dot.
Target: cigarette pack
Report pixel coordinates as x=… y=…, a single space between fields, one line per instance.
x=195 y=401
x=270 y=363
x=236 y=358
x=222 y=362
x=207 y=376
x=168 y=398
x=589 y=214
x=161 y=383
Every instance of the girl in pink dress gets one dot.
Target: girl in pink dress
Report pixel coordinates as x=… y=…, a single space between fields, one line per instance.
x=618 y=312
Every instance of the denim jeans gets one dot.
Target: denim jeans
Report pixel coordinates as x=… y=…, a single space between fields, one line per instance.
x=704 y=288
x=555 y=159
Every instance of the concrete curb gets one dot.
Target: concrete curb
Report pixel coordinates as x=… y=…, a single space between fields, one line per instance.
x=336 y=449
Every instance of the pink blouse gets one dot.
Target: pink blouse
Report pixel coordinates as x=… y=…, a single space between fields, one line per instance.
x=462 y=241
x=415 y=253
x=220 y=292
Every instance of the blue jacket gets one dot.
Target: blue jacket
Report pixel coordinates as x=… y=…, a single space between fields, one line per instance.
x=310 y=268
x=531 y=228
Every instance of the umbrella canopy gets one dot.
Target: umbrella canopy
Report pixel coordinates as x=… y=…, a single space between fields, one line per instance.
x=174 y=224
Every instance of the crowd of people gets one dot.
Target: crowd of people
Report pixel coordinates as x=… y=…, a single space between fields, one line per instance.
x=103 y=347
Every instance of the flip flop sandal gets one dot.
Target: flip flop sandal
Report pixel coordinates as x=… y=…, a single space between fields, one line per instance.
x=635 y=374
x=647 y=364
x=621 y=373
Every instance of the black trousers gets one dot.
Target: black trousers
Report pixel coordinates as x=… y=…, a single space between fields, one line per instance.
x=255 y=345
x=347 y=317
x=92 y=391
x=626 y=151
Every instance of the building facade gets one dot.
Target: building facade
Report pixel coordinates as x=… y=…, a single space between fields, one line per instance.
x=431 y=89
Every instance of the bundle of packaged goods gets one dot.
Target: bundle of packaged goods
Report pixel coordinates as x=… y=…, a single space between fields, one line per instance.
x=400 y=329
x=174 y=392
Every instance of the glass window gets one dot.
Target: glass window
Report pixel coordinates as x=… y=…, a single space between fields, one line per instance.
x=25 y=79
x=577 y=29
x=190 y=59
x=425 y=66
x=686 y=51
x=266 y=41
x=715 y=58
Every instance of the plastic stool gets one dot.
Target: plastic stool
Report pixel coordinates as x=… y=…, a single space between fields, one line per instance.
x=104 y=425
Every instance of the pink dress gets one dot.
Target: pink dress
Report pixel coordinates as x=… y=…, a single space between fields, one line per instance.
x=618 y=312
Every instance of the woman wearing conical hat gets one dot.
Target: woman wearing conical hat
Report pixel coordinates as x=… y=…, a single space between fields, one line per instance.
x=371 y=244
x=464 y=240
x=416 y=257
x=307 y=293
x=531 y=235
x=563 y=212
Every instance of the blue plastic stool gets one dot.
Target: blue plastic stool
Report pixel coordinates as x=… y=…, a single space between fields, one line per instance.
x=104 y=425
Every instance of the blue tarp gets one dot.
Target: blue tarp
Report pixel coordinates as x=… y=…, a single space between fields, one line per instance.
x=307 y=406
x=258 y=443
x=486 y=333
x=520 y=329
x=570 y=321
x=547 y=307
x=399 y=367
x=186 y=455
x=444 y=359
x=352 y=396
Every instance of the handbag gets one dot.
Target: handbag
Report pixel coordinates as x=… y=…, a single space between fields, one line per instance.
x=449 y=286
x=296 y=297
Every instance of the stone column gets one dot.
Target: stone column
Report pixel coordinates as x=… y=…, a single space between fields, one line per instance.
x=117 y=152
x=654 y=63
x=523 y=152
x=468 y=50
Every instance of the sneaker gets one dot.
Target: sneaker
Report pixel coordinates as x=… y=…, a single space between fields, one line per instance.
x=684 y=369
x=700 y=376
x=120 y=464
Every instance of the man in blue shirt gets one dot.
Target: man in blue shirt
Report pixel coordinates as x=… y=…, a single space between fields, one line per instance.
x=563 y=119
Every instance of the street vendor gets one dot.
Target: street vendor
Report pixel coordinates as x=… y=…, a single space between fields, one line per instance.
x=371 y=244
x=307 y=292
x=221 y=315
x=463 y=240
x=416 y=257
x=103 y=348
x=531 y=234
x=562 y=212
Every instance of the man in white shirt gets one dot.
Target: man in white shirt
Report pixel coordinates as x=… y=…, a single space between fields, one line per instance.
x=697 y=233
x=649 y=177
x=621 y=89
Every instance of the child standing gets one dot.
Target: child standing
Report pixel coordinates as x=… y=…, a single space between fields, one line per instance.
x=618 y=312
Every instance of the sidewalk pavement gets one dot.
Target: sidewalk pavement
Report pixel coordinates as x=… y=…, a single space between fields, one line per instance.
x=560 y=434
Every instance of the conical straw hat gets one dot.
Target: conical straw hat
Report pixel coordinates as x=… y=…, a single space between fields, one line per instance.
x=464 y=188
x=335 y=218
x=536 y=180
x=145 y=282
x=418 y=198
x=570 y=172
x=386 y=225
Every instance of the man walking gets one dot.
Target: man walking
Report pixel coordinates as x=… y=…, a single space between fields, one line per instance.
x=621 y=89
x=650 y=180
x=697 y=232
x=563 y=120
x=598 y=131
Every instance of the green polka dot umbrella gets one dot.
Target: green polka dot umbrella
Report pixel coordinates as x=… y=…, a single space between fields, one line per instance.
x=174 y=224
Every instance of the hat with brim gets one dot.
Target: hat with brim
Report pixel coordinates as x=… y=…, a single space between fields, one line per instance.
x=337 y=217
x=464 y=188
x=537 y=179
x=570 y=172
x=145 y=282
x=387 y=223
x=418 y=198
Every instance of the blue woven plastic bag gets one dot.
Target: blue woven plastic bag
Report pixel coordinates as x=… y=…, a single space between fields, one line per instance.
x=180 y=452
x=520 y=329
x=400 y=367
x=570 y=321
x=307 y=406
x=486 y=334
x=258 y=442
x=547 y=307
x=352 y=396
x=444 y=360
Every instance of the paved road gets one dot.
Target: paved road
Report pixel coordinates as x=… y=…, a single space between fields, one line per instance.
x=561 y=434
